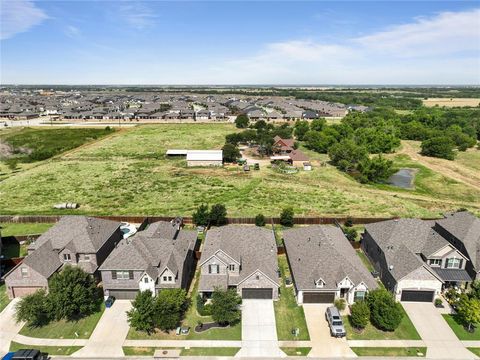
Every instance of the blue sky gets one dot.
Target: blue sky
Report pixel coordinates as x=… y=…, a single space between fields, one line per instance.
x=234 y=42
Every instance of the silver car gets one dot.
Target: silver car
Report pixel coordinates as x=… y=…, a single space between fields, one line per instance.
x=335 y=322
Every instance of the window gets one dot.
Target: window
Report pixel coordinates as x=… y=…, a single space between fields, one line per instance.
x=86 y=257
x=124 y=275
x=145 y=280
x=453 y=263
x=24 y=271
x=436 y=262
x=169 y=278
x=359 y=295
x=319 y=283
x=231 y=267
x=213 y=269
x=67 y=257
x=164 y=278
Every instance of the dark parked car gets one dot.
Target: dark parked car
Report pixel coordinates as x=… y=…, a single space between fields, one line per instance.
x=26 y=354
x=109 y=302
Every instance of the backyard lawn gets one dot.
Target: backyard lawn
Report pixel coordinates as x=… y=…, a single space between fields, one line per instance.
x=405 y=331
x=288 y=314
x=390 y=351
x=128 y=173
x=18 y=229
x=4 y=300
x=64 y=329
x=192 y=318
x=365 y=260
x=459 y=329
x=51 y=350
x=296 y=351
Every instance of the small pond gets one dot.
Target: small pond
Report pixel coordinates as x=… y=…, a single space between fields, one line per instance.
x=403 y=178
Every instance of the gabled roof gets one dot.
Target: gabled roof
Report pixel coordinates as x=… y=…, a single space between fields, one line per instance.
x=465 y=227
x=323 y=252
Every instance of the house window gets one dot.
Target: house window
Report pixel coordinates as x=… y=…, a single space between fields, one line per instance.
x=169 y=278
x=319 y=284
x=231 y=267
x=125 y=275
x=24 y=272
x=67 y=257
x=145 y=280
x=453 y=263
x=164 y=278
x=359 y=295
x=86 y=257
x=213 y=269
x=436 y=262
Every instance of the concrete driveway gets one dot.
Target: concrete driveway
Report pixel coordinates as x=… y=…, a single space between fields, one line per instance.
x=8 y=327
x=259 y=332
x=441 y=341
x=323 y=344
x=108 y=337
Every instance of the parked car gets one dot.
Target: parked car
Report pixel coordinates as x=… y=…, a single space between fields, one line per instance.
x=335 y=322
x=26 y=354
x=109 y=302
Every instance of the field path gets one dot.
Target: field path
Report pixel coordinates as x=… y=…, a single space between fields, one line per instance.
x=448 y=168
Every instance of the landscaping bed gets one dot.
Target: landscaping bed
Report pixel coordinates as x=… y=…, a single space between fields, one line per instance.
x=390 y=351
x=208 y=326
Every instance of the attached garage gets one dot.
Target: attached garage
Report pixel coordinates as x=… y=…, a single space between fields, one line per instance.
x=417 y=295
x=318 y=297
x=261 y=293
x=123 y=294
x=20 y=291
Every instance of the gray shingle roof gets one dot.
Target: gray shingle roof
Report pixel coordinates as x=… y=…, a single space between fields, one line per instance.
x=323 y=252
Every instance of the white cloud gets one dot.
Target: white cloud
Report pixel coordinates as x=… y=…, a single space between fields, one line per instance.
x=17 y=16
x=72 y=31
x=137 y=15
x=445 y=33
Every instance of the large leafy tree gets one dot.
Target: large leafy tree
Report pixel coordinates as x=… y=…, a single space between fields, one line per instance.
x=301 y=128
x=170 y=305
x=225 y=306
x=347 y=154
x=218 y=215
x=468 y=309
x=230 y=153
x=385 y=312
x=141 y=316
x=201 y=216
x=242 y=121
x=441 y=147
x=377 y=169
x=72 y=294
x=33 y=309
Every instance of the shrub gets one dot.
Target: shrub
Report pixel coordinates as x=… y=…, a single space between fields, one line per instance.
x=218 y=215
x=202 y=308
x=286 y=217
x=360 y=314
x=385 y=312
x=350 y=233
x=33 y=309
x=340 y=304
x=441 y=147
x=201 y=216
x=438 y=302
x=260 y=220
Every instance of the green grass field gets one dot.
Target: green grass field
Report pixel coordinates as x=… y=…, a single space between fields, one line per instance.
x=459 y=329
x=51 y=350
x=16 y=229
x=4 y=300
x=390 y=351
x=128 y=173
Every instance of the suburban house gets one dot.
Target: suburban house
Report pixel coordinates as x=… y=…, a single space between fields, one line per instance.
x=462 y=230
x=284 y=150
x=159 y=257
x=324 y=266
x=74 y=240
x=413 y=260
x=240 y=257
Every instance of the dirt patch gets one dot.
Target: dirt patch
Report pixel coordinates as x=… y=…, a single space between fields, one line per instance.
x=6 y=150
x=452 y=102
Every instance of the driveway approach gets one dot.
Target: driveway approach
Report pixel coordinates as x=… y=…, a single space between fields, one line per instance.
x=8 y=327
x=259 y=332
x=323 y=344
x=440 y=340
x=109 y=334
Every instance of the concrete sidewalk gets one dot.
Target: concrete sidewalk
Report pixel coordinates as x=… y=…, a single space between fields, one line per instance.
x=8 y=327
x=49 y=342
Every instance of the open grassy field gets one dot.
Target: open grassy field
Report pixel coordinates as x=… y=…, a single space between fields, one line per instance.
x=451 y=102
x=128 y=173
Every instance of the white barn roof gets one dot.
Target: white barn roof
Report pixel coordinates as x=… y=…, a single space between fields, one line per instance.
x=176 y=152
x=204 y=155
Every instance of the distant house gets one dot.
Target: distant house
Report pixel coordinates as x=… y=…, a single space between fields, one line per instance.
x=159 y=257
x=204 y=158
x=74 y=240
x=243 y=258
x=325 y=266
x=284 y=149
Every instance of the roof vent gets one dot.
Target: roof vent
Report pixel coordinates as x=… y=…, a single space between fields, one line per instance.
x=390 y=267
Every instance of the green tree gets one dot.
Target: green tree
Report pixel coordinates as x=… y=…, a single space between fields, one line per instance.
x=287 y=217
x=72 y=294
x=350 y=233
x=376 y=170
x=230 y=153
x=300 y=129
x=468 y=310
x=475 y=289
x=201 y=216
x=242 y=121
x=218 y=215
x=12 y=163
x=347 y=154
x=385 y=312
x=318 y=124
x=225 y=306
x=170 y=306
x=359 y=314
x=440 y=147
x=141 y=316
x=33 y=309
x=260 y=220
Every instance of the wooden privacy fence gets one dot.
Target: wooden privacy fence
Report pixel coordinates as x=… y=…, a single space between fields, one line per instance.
x=145 y=220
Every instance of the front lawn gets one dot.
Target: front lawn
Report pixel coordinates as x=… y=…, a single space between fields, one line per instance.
x=210 y=351
x=143 y=351
x=405 y=331
x=459 y=329
x=390 y=351
x=288 y=314
x=296 y=351
x=4 y=300
x=192 y=318
x=51 y=350
x=476 y=351
x=64 y=329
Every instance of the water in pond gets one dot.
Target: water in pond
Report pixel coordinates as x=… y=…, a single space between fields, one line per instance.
x=403 y=178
